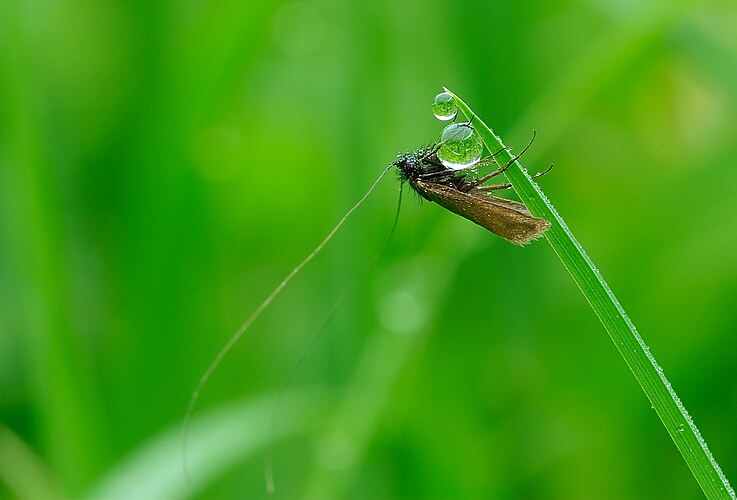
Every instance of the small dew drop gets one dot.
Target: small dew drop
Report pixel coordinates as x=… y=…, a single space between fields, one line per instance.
x=462 y=146
x=444 y=107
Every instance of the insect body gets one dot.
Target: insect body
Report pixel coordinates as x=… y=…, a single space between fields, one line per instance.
x=463 y=195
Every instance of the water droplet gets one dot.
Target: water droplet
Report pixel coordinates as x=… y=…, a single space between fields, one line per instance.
x=444 y=107
x=462 y=146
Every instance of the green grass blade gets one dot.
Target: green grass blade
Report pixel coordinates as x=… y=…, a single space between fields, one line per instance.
x=630 y=344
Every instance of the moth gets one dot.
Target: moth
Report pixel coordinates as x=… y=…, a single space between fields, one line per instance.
x=464 y=195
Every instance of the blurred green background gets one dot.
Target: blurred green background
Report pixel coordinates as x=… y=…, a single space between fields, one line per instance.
x=164 y=165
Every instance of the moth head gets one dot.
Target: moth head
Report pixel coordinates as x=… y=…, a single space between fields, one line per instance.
x=410 y=164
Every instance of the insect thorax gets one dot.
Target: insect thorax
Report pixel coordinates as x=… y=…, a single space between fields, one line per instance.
x=423 y=164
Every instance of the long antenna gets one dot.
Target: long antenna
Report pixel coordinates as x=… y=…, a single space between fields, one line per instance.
x=254 y=316
x=269 y=461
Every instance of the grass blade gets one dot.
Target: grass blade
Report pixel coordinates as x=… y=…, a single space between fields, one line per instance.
x=623 y=333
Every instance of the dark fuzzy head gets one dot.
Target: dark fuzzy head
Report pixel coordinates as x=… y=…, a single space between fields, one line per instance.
x=411 y=165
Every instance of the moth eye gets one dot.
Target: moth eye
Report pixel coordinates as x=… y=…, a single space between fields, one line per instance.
x=444 y=107
x=462 y=146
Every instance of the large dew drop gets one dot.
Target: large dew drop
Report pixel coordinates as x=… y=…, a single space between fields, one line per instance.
x=461 y=146
x=444 y=107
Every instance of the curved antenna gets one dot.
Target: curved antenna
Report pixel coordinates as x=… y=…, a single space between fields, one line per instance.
x=269 y=461
x=247 y=324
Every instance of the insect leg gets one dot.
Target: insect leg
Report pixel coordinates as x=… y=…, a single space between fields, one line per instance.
x=504 y=167
x=540 y=174
x=439 y=173
x=508 y=185
x=473 y=167
x=448 y=172
x=490 y=159
x=494 y=187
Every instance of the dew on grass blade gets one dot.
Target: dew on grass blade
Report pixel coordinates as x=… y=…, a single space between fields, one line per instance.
x=444 y=107
x=462 y=146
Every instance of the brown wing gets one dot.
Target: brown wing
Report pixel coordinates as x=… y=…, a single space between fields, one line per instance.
x=509 y=219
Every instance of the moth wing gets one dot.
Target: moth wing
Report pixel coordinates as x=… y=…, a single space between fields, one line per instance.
x=509 y=219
